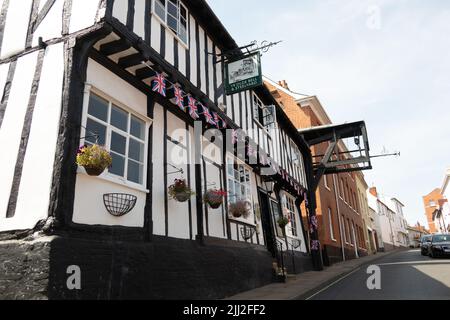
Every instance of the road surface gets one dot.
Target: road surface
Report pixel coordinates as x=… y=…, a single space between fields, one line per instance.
x=405 y=275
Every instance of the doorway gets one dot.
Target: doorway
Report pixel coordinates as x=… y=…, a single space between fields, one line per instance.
x=267 y=222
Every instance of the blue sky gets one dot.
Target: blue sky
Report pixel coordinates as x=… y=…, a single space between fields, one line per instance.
x=383 y=61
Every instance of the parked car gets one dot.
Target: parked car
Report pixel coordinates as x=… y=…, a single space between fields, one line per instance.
x=425 y=243
x=440 y=245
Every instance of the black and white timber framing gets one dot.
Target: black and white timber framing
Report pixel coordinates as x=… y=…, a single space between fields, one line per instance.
x=56 y=54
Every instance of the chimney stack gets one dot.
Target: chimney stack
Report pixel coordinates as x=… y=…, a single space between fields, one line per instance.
x=284 y=84
x=373 y=191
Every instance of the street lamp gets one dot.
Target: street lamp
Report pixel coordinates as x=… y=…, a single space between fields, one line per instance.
x=269 y=185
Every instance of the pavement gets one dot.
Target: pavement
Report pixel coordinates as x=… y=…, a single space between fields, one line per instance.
x=305 y=285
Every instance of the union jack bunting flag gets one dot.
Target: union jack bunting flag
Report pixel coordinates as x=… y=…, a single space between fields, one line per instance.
x=192 y=106
x=179 y=101
x=208 y=117
x=217 y=119
x=159 y=84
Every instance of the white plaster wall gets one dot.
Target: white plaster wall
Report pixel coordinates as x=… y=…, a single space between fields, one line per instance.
x=178 y=213
x=83 y=14
x=35 y=186
x=139 y=18
x=11 y=131
x=16 y=27
x=201 y=34
x=90 y=210
x=193 y=50
x=158 y=191
x=120 y=11
x=169 y=47
x=155 y=40
x=88 y=206
x=209 y=48
x=51 y=26
x=105 y=81
x=182 y=58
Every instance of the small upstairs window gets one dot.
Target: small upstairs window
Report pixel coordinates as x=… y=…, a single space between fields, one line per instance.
x=174 y=15
x=264 y=115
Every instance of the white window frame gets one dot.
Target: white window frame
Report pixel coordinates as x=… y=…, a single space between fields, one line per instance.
x=266 y=132
x=109 y=129
x=292 y=231
x=341 y=189
x=164 y=21
x=232 y=160
x=330 y=218
x=325 y=182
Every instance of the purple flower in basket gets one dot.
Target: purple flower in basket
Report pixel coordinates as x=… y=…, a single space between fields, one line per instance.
x=315 y=245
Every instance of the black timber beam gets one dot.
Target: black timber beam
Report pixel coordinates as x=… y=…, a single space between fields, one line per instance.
x=108 y=49
x=131 y=60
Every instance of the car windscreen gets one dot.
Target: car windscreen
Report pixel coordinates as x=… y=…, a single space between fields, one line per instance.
x=441 y=238
x=426 y=239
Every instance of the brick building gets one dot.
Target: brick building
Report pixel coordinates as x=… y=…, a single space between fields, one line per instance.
x=341 y=226
x=431 y=204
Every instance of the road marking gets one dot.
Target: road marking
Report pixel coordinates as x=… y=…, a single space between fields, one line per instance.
x=332 y=284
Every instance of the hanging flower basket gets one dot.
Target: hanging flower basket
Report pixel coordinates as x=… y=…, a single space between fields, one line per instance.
x=214 y=198
x=283 y=222
x=94 y=159
x=240 y=209
x=180 y=191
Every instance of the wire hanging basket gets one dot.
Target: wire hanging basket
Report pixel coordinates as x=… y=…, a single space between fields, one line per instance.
x=119 y=204
x=296 y=243
x=247 y=233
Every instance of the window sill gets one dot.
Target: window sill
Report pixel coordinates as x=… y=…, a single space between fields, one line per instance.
x=164 y=24
x=110 y=178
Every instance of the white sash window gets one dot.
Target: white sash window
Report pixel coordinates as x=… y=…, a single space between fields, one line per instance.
x=174 y=15
x=123 y=133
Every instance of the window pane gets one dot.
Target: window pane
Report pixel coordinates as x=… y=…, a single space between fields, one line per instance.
x=98 y=107
x=172 y=8
x=95 y=128
x=119 y=118
x=137 y=128
x=118 y=165
x=160 y=9
x=172 y=23
x=183 y=34
x=183 y=12
x=136 y=150
x=135 y=172
x=118 y=143
x=237 y=190
x=236 y=175
x=230 y=170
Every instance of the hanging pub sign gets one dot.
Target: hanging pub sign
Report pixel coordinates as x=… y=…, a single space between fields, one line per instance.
x=243 y=74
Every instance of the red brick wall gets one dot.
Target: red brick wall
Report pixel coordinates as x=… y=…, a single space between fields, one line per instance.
x=435 y=196
x=304 y=117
